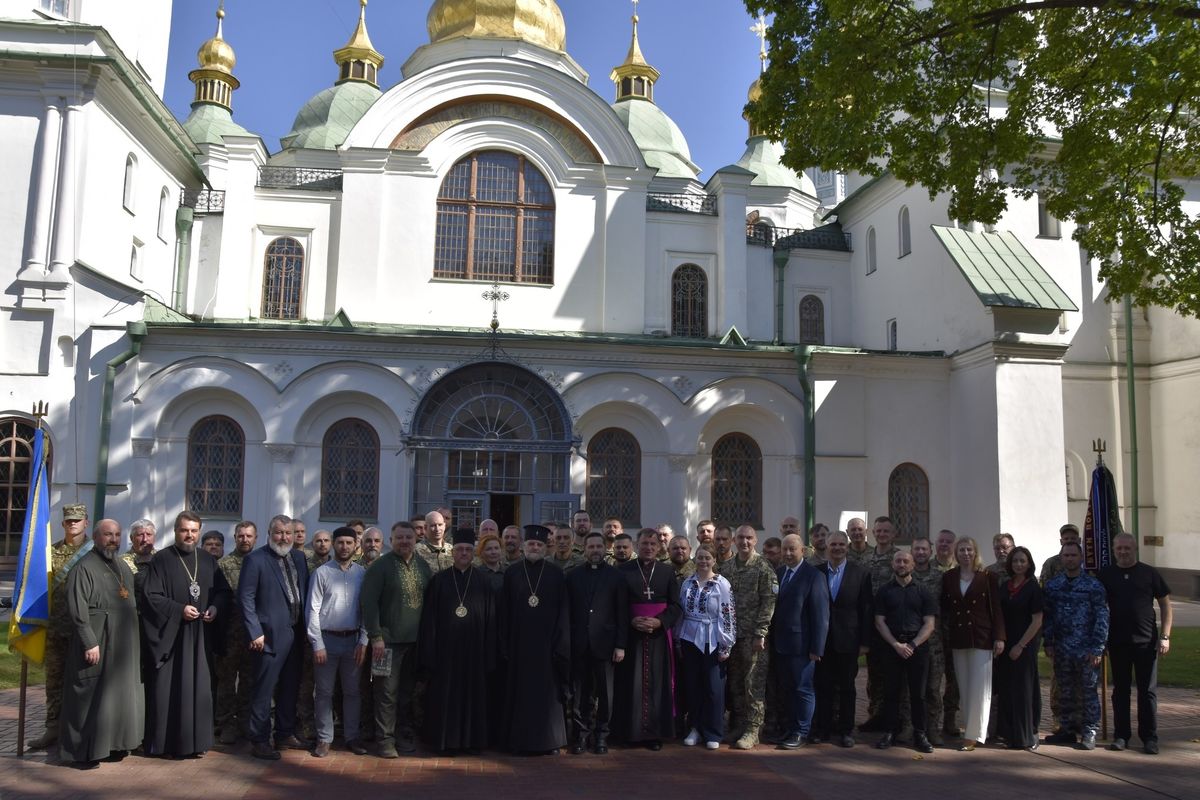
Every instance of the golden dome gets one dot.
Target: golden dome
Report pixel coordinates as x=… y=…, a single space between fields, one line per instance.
x=755 y=93
x=216 y=54
x=538 y=22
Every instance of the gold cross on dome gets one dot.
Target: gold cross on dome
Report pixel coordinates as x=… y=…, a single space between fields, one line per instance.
x=759 y=29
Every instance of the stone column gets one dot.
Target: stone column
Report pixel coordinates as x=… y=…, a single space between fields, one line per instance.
x=63 y=250
x=42 y=201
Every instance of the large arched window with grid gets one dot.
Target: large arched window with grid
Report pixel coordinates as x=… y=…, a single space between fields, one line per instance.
x=216 y=465
x=283 y=279
x=495 y=221
x=689 y=302
x=908 y=501
x=350 y=471
x=812 y=320
x=737 y=481
x=16 y=474
x=614 y=476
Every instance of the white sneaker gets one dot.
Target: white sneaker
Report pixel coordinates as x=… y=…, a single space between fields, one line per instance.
x=711 y=745
x=692 y=739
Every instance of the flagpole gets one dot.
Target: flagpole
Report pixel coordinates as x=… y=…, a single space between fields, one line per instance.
x=39 y=412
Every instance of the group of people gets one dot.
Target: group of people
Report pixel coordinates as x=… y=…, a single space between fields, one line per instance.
x=557 y=636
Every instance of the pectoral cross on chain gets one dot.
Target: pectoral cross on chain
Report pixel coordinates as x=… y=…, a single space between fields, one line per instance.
x=649 y=592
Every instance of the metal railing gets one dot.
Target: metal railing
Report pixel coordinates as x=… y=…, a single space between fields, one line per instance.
x=826 y=237
x=320 y=180
x=203 y=201
x=682 y=203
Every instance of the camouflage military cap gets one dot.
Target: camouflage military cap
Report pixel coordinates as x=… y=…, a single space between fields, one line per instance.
x=74 y=511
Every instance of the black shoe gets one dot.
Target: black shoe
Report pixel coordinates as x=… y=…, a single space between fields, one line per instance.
x=579 y=747
x=1150 y=747
x=1062 y=737
x=817 y=738
x=1118 y=744
x=601 y=747
x=356 y=747
x=264 y=751
x=655 y=745
x=921 y=743
x=85 y=764
x=1088 y=742
x=793 y=742
x=292 y=742
x=885 y=742
x=846 y=741
x=116 y=756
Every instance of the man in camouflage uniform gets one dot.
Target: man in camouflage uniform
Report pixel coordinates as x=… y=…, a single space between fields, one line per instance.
x=63 y=555
x=141 y=546
x=679 y=551
x=754 y=587
x=321 y=543
x=1075 y=631
x=817 y=536
x=1052 y=567
x=943 y=562
x=880 y=567
x=234 y=672
x=434 y=550
x=511 y=539
x=929 y=577
x=723 y=544
x=581 y=524
x=564 y=556
x=665 y=534
x=859 y=551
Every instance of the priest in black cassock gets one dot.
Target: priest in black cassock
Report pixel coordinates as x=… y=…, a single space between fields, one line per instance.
x=536 y=643
x=457 y=646
x=644 y=708
x=184 y=592
x=102 y=714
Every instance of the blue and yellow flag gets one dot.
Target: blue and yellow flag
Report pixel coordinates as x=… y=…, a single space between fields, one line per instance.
x=31 y=594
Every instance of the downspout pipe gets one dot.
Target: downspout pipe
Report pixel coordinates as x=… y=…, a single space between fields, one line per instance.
x=780 y=256
x=184 y=217
x=803 y=354
x=1131 y=395
x=137 y=333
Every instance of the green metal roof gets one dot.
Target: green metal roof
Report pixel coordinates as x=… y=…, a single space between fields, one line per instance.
x=1001 y=270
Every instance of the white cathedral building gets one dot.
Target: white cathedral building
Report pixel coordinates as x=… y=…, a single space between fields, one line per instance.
x=222 y=325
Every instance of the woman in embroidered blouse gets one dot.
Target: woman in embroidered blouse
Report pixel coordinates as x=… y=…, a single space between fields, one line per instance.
x=707 y=631
x=975 y=624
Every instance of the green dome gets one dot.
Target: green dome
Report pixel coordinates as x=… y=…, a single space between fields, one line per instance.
x=208 y=123
x=658 y=137
x=762 y=158
x=326 y=120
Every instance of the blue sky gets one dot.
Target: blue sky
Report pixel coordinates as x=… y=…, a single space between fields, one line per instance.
x=704 y=49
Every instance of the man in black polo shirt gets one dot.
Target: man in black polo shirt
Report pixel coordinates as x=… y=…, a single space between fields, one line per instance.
x=1134 y=642
x=905 y=614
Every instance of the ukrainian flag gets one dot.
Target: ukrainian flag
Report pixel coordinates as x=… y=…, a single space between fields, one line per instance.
x=31 y=595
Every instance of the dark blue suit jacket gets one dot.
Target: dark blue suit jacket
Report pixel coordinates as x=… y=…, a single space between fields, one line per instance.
x=800 y=624
x=263 y=599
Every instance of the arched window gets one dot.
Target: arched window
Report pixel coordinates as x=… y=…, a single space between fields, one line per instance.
x=908 y=501
x=495 y=221
x=283 y=279
x=870 y=250
x=16 y=474
x=164 y=214
x=216 y=464
x=350 y=471
x=905 y=233
x=737 y=481
x=812 y=320
x=128 y=190
x=614 y=476
x=689 y=302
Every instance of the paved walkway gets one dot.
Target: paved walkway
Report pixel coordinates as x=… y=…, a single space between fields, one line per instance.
x=634 y=774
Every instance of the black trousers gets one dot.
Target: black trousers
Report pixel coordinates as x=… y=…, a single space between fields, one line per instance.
x=704 y=677
x=898 y=672
x=836 y=673
x=592 y=688
x=1126 y=660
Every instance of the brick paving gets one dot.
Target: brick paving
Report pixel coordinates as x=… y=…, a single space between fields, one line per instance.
x=634 y=774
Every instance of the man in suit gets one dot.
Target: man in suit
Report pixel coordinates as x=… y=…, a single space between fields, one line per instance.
x=799 y=629
x=272 y=591
x=599 y=628
x=850 y=623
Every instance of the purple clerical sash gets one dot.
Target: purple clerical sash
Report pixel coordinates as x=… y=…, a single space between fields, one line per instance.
x=653 y=610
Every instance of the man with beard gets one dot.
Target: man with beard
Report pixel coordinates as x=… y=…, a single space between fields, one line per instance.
x=338 y=639
x=599 y=607
x=535 y=641
x=102 y=713
x=705 y=530
x=612 y=529
x=456 y=646
x=370 y=546
x=581 y=524
x=679 y=552
x=817 y=536
x=773 y=551
x=622 y=549
x=233 y=667
x=723 y=546
x=665 y=532
x=182 y=580
x=272 y=592
x=644 y=709
x=905 y=616
x=511 y=539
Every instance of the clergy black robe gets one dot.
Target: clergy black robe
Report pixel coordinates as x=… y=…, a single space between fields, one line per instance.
x=179 y=713
x=536 y=644
x=454 y=651
x=102 y=707
x=643 y=702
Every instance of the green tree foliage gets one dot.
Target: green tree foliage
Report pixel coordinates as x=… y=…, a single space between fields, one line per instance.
x=1092 y=105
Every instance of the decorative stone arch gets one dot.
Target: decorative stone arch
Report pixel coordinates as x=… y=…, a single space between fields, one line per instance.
x=769 y=408
x=644 y=425
x=346 y=385
x=326 y=410
x=633 y=398
x=173 y=388
x=176 y=421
